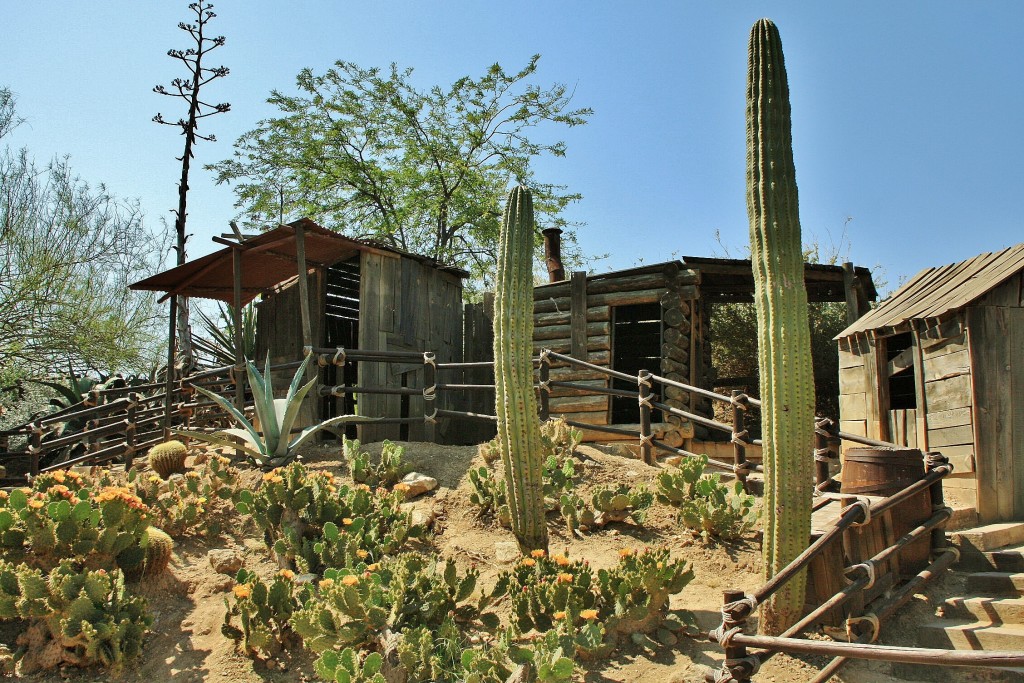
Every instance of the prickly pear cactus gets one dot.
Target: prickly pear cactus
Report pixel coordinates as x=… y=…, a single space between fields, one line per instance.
x=784 y=346
x=168 y=458
x=515 y=403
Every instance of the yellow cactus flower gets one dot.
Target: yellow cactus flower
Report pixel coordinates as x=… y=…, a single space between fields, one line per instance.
x=538 y=553
x=326 y=583
x=588 y=613
x=565 y=578
x=559 y=616
x=35 y=504
x=350 y=580
x=373 y=567
x=362 y=554
x=242 y=590
x=153 y=479
x=561 y=560
x=347 y=521
x=529 y=562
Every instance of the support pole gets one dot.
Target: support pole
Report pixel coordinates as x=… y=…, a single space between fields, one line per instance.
x=169 y=386
x=738 y=400
x=933 y=461
x=822 y=454
x=545 y=387
x=643 y=380
x=850 y=289
x=236 y=265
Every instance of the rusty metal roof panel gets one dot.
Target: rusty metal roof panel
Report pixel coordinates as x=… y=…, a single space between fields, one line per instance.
x=934 y=292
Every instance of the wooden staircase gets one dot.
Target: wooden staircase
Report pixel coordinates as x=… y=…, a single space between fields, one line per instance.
x=990 y=614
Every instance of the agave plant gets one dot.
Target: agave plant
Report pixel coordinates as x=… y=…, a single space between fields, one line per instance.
x=273 y=446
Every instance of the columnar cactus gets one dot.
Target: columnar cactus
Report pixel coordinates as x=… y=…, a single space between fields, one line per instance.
x=784 y=347
x=515 y=403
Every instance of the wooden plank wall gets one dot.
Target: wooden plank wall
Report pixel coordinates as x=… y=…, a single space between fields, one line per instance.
x=279 y=331
x=405 y=306
x=854 y=353
x=995 y=326
x=948 y=401
x=478 y=345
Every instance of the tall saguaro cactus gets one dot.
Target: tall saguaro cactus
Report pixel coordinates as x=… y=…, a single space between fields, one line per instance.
x=515 y=403
x=783 y=335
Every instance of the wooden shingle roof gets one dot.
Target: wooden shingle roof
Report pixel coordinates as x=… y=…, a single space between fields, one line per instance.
x=934 y=292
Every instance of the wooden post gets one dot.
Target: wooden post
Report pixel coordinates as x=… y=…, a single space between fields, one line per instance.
x=739 y=432
x=822 y=454
x=129 y=450
x=933 y=461
x=35 y=446
x=429 y=397
x=169 y=386
x=545 y=389
x=307 y=330
x=236 y=266
x=578 y=315
x=850 y=289
x=643 y=380
x=734 y=652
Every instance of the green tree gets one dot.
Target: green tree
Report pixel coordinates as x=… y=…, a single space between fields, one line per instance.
x=367 y=152
x=67 y=253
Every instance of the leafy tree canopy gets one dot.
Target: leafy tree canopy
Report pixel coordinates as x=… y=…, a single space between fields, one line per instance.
x=367 y=153
x=68 y=250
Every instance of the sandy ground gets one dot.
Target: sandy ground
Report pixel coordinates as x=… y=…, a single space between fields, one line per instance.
x=188 y=602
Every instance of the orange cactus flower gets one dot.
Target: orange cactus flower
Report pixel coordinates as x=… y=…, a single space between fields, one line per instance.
x=565 y=578
x=326 y=583
x=287 y=574
x=242 y=591
x=588 y=613
x=35 y=504
x=350 y=580
x=373 y=567
x=347 y=521
x=559 y=616
x=528 y=562
x=561 y=560
x=626 y=552
x=401 y=487
x=362 y=554
x=538 y=553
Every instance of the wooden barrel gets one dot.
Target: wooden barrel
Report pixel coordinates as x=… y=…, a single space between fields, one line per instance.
x=883 y=472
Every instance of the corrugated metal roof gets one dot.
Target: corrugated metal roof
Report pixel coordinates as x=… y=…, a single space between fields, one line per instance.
x=937 y=291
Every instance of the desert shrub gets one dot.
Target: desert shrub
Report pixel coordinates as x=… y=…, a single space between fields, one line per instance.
x=313 y=522
x=706 y=505
x=387 y=471
x=81 y=618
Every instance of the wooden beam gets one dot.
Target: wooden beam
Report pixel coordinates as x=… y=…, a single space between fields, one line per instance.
x=920 y=398
x=904 y=360
x=578 y=315
x=850 y=290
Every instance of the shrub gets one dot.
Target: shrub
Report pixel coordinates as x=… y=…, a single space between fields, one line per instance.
x=706 y=505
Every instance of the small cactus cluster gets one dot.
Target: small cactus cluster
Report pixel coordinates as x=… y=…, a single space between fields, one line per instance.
x=490 y=495
x=80 y=618
x=607 y=505
x=356 y=606
x=560 y=439
x=593 y=611
x=706 y=505
x=107 y=526
x=263 y=612
x=351 y=666
x=189 y=504
x=313 y=521
x=168 y=458
x=388 y=471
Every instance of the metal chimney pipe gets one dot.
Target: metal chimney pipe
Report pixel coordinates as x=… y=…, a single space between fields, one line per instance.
x=553 y=254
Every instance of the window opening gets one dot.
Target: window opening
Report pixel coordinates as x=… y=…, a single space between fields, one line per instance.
x=899 y=357
x=341 y=322
x=636 y=346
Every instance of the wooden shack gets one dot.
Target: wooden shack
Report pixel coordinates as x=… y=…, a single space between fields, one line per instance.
x=373 y=298
x=657 y=318
x=940 y=366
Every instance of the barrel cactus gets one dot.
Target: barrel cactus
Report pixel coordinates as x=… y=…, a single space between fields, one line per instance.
x=515 y=403
x=784 y=346
x=158 y=552
x=168 y=458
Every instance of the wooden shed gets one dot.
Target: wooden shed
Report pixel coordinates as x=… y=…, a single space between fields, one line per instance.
x=940 y=366
x=372 y=298
x=657 y=318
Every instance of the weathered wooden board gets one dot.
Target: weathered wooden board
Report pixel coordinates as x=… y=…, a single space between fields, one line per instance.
x=852 y=380
x=565 y=331
x=551 y=305
x=903 y=427
x=951 y=436
x=956 y=417
x=594 y=314
x=579 y=404
x=600 y=343
x=960 y=457
x=594 y=418
x=997 y=345
x=946 y=394
x=561 y=392
x=932 y=348
x=947 y=365
x=573 y=374
x=852 y=406
x=606 y=285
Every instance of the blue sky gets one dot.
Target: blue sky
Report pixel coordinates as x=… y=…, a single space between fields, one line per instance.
x=906 y=114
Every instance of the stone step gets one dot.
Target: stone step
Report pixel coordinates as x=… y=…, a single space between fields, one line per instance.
x=956 y=674
x=989 y=536
x=983 y=608
x=996 y=583
x=961 y=634
x=1007 y=559
x=964 y=517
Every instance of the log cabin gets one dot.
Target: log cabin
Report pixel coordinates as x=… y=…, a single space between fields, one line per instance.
x=939 y=366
